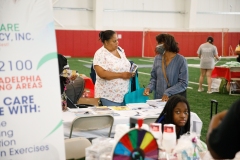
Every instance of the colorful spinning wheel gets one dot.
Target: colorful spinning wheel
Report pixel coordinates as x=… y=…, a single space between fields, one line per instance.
x=137 y=144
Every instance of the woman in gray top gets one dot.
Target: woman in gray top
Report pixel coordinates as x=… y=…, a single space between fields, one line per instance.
x=206 y=52
x=169 y=75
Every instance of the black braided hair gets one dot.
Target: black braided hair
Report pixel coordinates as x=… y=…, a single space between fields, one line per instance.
x=167 y=113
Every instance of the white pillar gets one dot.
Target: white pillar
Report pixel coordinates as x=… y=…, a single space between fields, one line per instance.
x=190 y=14
x=97 y=14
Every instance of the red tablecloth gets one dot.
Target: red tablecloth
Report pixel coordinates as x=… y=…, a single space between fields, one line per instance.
x=224 y=72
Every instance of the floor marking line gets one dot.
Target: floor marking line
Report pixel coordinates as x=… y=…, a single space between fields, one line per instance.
x=85 y=61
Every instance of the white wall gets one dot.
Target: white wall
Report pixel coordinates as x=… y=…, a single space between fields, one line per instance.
x=143 y=14
x=70 y=14
x=225 y=14
x=154 y=14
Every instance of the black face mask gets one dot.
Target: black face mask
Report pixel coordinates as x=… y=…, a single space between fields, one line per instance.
x=160 y=49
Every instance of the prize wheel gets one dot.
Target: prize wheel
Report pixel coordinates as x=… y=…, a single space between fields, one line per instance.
x=137 y=144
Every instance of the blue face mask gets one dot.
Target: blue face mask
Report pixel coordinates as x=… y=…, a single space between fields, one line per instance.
x=160 y=49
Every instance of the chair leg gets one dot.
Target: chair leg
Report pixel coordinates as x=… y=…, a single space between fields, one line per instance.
x=70 y=135
x=110 y=131
x=216 y=106
x=230 y=88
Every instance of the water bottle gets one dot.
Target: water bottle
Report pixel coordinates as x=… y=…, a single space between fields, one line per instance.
x=169 y=137
x=156 y=130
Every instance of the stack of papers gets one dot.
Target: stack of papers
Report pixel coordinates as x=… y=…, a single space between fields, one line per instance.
x=119 y=108
x=82 y=112
x=135 y=106
x=102 y=110
x=231 y=64
x=156 y=103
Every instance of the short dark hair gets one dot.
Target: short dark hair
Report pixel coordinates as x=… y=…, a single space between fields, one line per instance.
x=168 y=111
x=106 y=35
x=169 y=42
x=210 y=39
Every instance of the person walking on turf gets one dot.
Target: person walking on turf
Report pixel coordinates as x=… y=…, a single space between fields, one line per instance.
x=207 y=52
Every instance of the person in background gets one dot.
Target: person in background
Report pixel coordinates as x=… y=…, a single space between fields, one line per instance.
x=206 y=52
x=62 y=62
x=64 y=80
x=238 y=58
x=177 y=112
x=237 y=51
x=112 y=70
x=223 y=139
x=169 y=75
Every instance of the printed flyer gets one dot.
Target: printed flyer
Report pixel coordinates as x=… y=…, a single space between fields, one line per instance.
x=30 y=103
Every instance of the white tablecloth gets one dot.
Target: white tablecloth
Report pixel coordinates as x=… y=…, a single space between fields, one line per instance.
x=120 y=117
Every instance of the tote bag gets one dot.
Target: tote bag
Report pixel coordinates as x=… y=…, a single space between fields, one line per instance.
x=135 y=96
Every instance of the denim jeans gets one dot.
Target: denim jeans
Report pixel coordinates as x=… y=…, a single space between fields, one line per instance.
x=106 y=102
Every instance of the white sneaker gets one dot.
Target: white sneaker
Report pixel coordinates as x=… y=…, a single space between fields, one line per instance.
x=201 y=90
x=209 y=92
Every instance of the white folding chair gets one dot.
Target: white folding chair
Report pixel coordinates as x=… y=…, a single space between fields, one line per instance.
x=75 y=147
x=149 y=119
x=233 y=81
x=93 y=122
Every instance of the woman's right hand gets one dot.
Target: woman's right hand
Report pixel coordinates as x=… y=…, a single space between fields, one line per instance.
x=127 y=75
x=146 y=91
x=165 y=98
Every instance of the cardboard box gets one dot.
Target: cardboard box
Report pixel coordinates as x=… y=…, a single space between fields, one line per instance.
x=92 y=101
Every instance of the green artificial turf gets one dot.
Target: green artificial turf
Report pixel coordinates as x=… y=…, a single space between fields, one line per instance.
x=199 y=101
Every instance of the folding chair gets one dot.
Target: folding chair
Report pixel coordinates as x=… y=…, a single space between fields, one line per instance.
x=93 y=122
x=233 y=81
x=74 y=92
x=75 y=147
x=150 y=119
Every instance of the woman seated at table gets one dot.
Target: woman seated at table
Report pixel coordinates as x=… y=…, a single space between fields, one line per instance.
x=177 y=112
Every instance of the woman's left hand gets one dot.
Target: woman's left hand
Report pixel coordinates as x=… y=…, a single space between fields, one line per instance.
x=133 y=74
x=165 y=98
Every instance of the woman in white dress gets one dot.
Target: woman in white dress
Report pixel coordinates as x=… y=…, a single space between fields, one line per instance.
x=112 y=70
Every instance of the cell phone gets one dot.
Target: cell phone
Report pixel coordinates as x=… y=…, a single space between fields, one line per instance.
x=133 y=68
